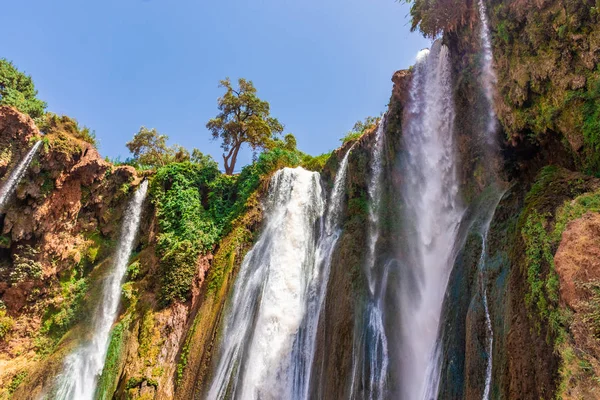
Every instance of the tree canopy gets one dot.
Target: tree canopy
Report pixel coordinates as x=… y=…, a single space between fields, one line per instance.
x=17 y=90
x=243 y=118
x=149 y=148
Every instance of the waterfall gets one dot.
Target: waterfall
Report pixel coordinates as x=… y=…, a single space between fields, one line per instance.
x=304 y=348
x=16 y=175
x=83 y=367
x=370 y=359
x=488 y=319
x=432 y=213
x=269 y=301
x=488 y=207
x=488 y=74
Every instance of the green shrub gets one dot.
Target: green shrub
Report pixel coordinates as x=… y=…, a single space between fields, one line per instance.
x=25 y=267
x=6 y=324
x=16 y=381
x=17 y=90
x=59 y=318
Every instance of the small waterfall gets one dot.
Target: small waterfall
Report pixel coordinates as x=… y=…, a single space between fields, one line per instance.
x=488 y=207
x=488 y=74
x=83 y=367
x=370 y=359
x=488 y=82
x=269 y=300
x=304 y=348
x=488 y=320
x=432 y=213
x=374 y=189
x=16 y=175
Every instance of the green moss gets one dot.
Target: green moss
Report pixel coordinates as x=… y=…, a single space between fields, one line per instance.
x=16 y=381
x=149 y=340
x=107 y=383
x=6 y=324
x=59 y=318
x=317 y=163
x=5 y=242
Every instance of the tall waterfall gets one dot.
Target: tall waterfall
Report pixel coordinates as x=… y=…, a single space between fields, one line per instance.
x=270 y=295
x=16 y=175
x=488 y=82
x=488 y=74
x=370 y=360
x=304 y=348
x=83 y=367
x=432 y=212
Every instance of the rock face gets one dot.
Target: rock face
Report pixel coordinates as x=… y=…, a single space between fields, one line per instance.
x=58 y=234
x=16 y=130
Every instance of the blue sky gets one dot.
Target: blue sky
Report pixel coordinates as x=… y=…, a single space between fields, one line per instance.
x=116 y=65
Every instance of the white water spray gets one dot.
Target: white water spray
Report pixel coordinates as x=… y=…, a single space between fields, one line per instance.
x=16 y=175
x=488 y=74
x=304 y=348
x=371 y=359
x=269 y=300
x=433 y=211
x=83 y=367
x=488 y=321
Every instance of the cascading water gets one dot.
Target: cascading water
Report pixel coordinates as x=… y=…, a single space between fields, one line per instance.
x=370 y=360
x=488 y=82
x=16 y=175
x=432 y=213
x=488 y=74
x=304 y=348
x=269 y=300
x=488 y=319
x=83 y=367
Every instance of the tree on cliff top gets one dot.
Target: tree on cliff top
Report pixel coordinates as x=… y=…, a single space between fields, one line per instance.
x=150 y=148
x=17 y=90
x=244 y=118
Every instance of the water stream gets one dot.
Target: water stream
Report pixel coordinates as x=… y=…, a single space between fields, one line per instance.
x=16 y=175
x=83 y=367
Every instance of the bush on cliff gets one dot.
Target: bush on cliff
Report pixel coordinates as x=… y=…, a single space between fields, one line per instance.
x=17 y=90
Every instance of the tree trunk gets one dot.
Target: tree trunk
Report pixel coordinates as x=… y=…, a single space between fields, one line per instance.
x=230 y=159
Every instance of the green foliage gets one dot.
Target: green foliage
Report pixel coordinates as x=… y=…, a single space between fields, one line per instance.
x=137 y=381
x=542 y=233
x=150 y=149
x=432 y=17
x=317 y=163
x=186 y=228
x=16 y=382
x=52 y=123
x=6 y=324
x=17 y=90
x=60 y=317
x=25 y=266
x=5 y=242
x=243 y=119
x=359 y=128
x=108 y=380
x=133 y=270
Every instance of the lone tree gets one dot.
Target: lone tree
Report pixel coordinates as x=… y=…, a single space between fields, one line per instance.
x=244 y=118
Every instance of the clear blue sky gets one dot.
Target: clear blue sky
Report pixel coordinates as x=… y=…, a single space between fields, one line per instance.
x=116 y=65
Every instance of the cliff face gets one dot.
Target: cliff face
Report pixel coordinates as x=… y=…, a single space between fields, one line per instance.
x=546 y=56
x=58 y=235
x=61 y=222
